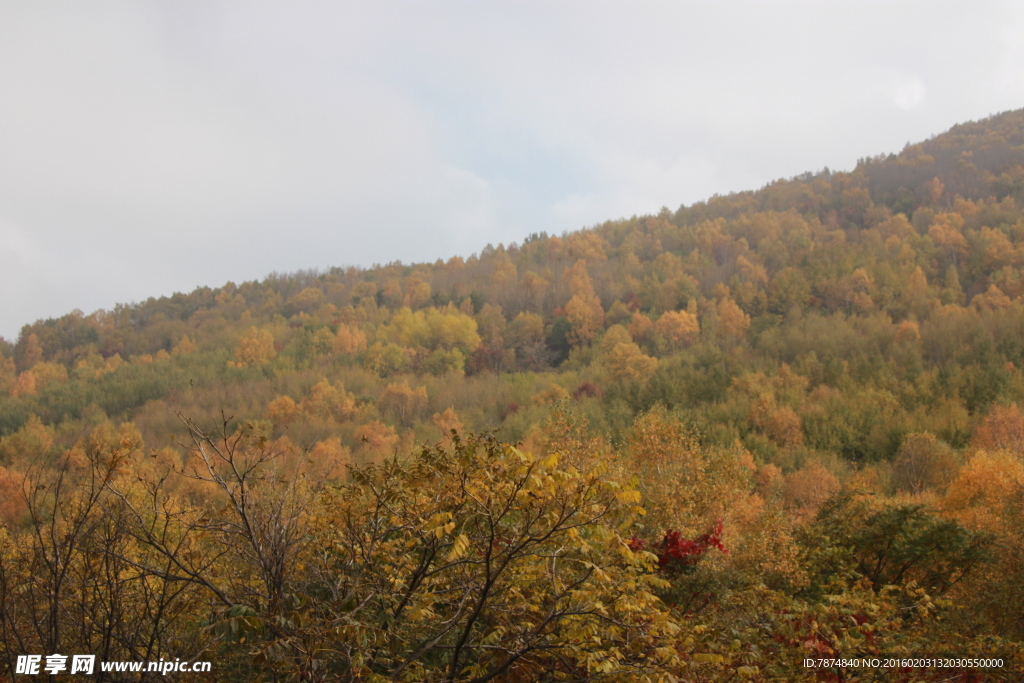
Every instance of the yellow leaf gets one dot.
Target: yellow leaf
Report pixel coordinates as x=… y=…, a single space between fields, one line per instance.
x=629 y=496
x=459 y=547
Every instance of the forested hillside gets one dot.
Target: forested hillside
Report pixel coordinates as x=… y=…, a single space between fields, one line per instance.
x=813 y=390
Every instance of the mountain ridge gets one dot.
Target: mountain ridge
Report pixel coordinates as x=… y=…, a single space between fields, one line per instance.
x=775 y=426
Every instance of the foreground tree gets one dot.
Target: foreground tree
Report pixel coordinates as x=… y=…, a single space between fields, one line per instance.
x=469 y=561
x=73 y=578
x=474 y=563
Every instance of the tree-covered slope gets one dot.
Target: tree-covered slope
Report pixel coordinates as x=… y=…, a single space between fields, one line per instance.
x=891 y=293
x=703 y=445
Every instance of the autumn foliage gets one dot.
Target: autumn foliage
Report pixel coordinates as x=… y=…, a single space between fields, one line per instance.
x=676 y=553
x=434 y=471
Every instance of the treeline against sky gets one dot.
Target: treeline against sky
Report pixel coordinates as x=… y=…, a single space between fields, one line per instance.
x=787 y=379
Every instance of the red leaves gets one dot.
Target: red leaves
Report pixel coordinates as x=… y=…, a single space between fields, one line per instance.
x=676 y=553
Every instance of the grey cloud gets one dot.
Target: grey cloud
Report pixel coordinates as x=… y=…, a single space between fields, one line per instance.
x=152 y=147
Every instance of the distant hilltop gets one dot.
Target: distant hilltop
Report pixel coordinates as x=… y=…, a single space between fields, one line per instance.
x=905 y=270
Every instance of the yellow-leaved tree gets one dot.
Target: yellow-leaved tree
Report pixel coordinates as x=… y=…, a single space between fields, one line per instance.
x=376 y=440
x=184 y=346
x=402 y=402
x=256 y=348
x=449 y=424
x=511 y=568
x=329 y=401
x=584 y=311
x=732 y=321
x=627 y=363
x=685 y=485
x=679 y=329
x=349 y=341
x=623 y=358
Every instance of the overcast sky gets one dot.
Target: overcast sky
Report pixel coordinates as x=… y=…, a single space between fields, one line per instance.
x=147 y=147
